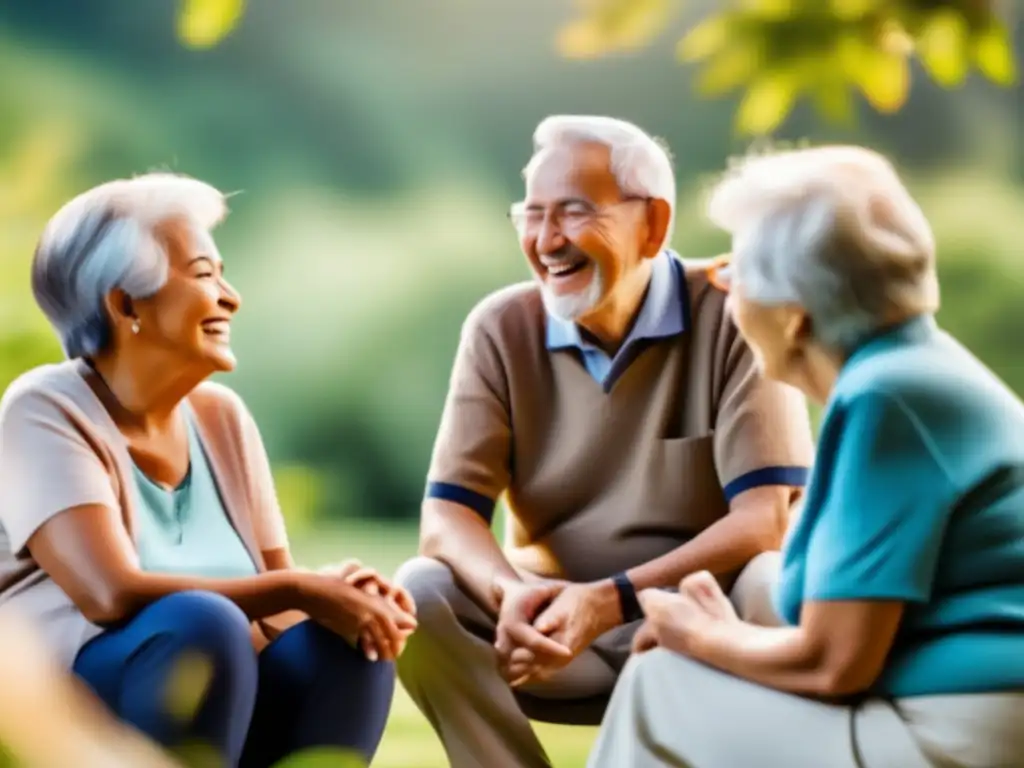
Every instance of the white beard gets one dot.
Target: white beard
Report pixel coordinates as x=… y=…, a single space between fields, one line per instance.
x=572 y=306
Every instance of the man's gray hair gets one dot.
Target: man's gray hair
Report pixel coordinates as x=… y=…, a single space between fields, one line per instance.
x=834 y=230
x=108 y=238
x=641 y=164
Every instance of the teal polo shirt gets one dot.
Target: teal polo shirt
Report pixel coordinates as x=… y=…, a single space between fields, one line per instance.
x=917 y=496
x=186 y=530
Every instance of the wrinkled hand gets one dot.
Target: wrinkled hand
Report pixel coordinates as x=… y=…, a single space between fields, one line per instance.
x=705 y=590
x=576 y=617
x=517 y=640
x=361 y=606
x=679 y=622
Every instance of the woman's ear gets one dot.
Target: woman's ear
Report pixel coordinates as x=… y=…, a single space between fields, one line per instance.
x=797 y=328
x=120 y=307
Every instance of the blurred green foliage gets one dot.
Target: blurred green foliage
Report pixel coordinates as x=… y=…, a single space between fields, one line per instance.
x=780 y=50
x=375 y=180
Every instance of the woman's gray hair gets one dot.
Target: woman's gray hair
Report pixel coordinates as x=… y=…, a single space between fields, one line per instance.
x=834 y=230
x=108 y=238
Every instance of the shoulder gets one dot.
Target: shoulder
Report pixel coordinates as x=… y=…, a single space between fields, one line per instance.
x=212 y=399
x=506 y=316
x=46 y=388
x=706 y=296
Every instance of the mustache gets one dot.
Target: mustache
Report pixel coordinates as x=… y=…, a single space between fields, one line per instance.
x=565 y=253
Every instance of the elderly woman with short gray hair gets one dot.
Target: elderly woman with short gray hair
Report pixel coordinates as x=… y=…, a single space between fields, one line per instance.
x=901 y=587
x=138 y=521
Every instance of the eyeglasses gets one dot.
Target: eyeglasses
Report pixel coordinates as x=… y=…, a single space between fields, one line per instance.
x=568 y=215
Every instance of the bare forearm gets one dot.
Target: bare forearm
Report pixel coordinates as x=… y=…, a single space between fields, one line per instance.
x=462 y=540
x=756 y=523
x=781 y=658
x=724 y=547
x=258 y=596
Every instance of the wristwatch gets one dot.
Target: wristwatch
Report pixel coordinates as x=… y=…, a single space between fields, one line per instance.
x=631 y=610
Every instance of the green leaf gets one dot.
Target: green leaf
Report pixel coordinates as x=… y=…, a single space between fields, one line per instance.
x=767 y=103
x=204 y=23
x=614 y=25
x=729 y=69
x=704 y=40
x=993 y=53
x=942 y=48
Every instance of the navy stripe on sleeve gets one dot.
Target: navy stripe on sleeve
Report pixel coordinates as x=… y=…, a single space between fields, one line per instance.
x=792 y=476
x=456 y=494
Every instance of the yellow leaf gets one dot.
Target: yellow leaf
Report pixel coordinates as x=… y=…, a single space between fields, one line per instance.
x=610 y=25
x=204 y=23
x=942 y=47
x=993 y=53
x=884 y=78
x=704 y=40
x=730 y=69
x=853 y=9
x=766 y=104
x=769 y=9
x=582 y=39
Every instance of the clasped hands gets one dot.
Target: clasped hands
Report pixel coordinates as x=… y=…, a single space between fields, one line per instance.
x=363 y=607
x=543 y=625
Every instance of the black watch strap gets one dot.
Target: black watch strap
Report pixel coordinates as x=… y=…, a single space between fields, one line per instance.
x=631 y=610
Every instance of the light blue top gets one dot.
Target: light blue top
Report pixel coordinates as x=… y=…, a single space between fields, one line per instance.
x=187 y=531
x=915 y=426
x=664 y=313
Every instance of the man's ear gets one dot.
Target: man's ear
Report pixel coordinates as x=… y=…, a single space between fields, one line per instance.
x=658 y=215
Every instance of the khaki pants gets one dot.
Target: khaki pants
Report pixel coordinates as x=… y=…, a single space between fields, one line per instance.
x=450 y=670
x=669 y=710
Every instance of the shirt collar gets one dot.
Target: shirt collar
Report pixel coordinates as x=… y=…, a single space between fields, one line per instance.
x=663 y=313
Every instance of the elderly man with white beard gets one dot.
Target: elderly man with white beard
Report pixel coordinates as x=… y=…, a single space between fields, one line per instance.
x=613 y=404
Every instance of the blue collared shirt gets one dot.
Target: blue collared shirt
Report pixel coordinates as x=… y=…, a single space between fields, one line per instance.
x=664 y=314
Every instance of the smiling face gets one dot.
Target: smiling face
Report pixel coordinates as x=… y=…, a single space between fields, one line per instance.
x=582 y=237
x=190 y=316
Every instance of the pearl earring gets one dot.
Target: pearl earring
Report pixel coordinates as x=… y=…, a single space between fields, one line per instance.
x=135 y=327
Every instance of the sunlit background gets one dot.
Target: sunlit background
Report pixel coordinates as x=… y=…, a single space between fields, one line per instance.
x=375 y=146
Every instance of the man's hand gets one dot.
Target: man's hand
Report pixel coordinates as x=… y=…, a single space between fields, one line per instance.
x=576 y=617
x=517 y=641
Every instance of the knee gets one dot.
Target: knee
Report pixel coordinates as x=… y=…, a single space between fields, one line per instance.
x=205 y=622
x=752 y=594
x=432 y=586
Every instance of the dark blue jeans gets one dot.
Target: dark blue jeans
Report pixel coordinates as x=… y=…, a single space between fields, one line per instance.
x=308 y=688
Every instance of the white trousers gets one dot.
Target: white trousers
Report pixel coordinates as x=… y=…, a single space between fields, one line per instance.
x=668 y=710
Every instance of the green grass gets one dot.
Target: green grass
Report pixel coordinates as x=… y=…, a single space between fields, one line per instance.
x=409 y=741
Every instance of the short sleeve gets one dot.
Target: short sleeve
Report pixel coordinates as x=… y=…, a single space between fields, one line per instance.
x=880 y=514
x=470 y=464
x=762 y=427
x=47 y=466
x=267 y=519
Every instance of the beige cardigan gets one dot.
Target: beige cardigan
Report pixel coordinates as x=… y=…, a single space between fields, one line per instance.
x=60 y=449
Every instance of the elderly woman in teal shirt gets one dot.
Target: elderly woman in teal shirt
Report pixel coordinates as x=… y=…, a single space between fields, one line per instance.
x=901 y=586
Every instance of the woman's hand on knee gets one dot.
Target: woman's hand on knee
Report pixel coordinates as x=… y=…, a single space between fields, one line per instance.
x=370 y=581
x=360 y=614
